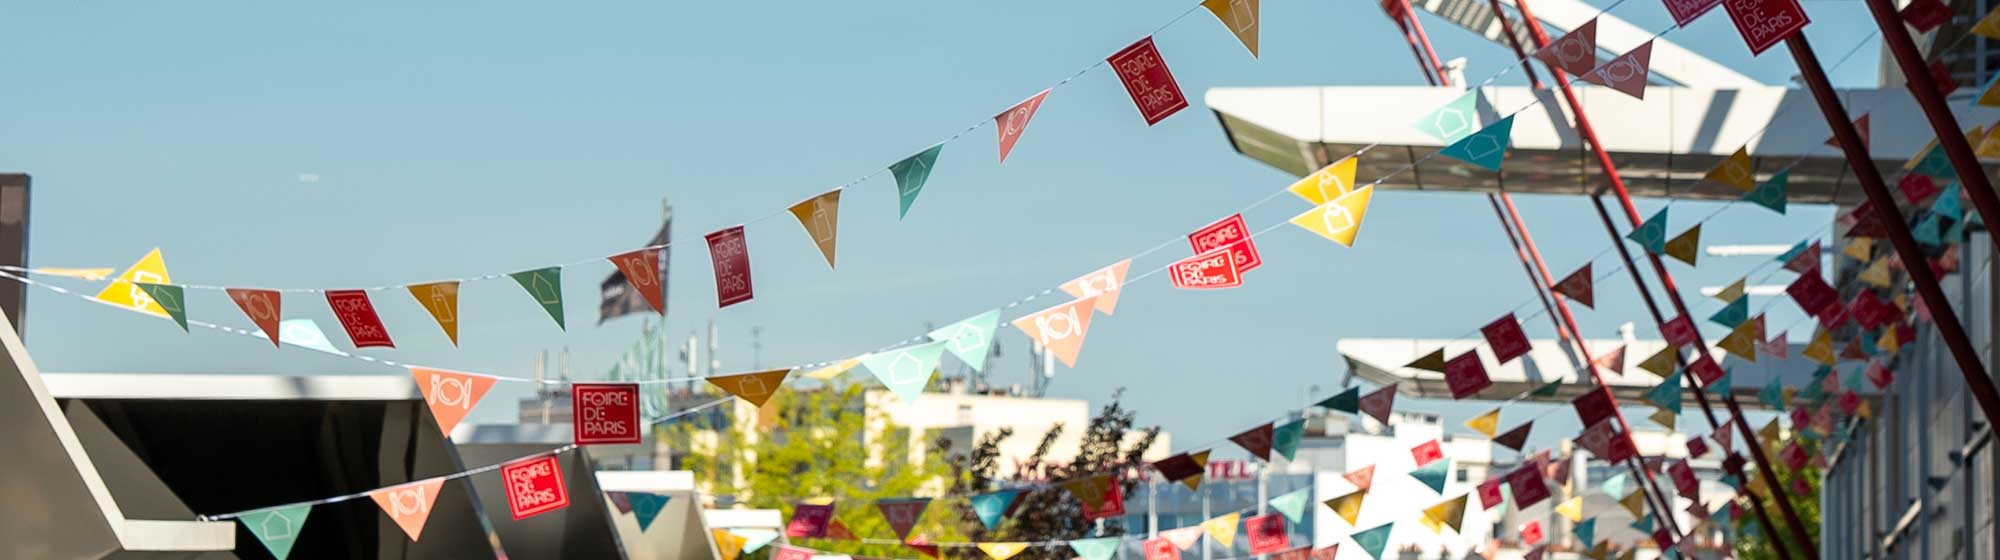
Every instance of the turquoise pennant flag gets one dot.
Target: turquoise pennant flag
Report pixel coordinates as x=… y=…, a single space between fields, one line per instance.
x=990 y=506
x=1731 y=480
x=910 y=176
x=1667 y=394
x=1433 y=474
x=1454 y=121
x=1285 y=439
x=1586 y=532
x=1733 y=314
x=1725 y=383
x=1869 y=341
x=905 y=371
x=1852 y=379
x=1644 y=524
x=1652 y=234
x=971 y=339
x=754 y=539
x=1614 y=486
x=1927 y=232
x=1773 y=394
x=646 y=506
x=1947 y=203
x=1373 y=541
x=170 y=298
x=1292 y=504
x=1935 y=163
x=1793 y=252
x=1771 y=193
x=277 y=528
x=1095 y=549
x=1956 y=234
x=1485 y=148
x=1348 y=401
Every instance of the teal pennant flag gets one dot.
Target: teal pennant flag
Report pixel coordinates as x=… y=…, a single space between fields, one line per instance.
x=1348 y=401
x=1773 y=394
x=170 y=298
x=992 y=505
x=1667 y=394
x=1292 y=504
x=1733 y=314
x=1852 y=379
x=1771 y=193
x=646 y=506
x=1793 y=252
x=1454 y=121
x=1652 y=234
x=910 y=176
x=1644 y=525
x=971 y=339
x=1485 y=148
x=1433 y=474
x=1947 y=203
x=1586 y=532
x=1095 y=549
x=277 y=528
x=905 y=371
x=545 y=285
x=1285 y=439
x=1927 y=231
x=1936 y=164
x=1373 y=541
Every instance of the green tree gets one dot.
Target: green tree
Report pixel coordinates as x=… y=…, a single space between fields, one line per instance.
x=1757 y=546
x=1049 y=512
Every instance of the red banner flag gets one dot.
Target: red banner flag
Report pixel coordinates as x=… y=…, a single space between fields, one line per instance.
x=357 y=315
x=1148 y=80
x=534 y=486
x=730 y=254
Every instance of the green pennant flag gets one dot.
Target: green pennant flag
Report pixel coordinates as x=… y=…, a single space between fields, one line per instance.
x=1652 y=234
x=971 y=339
x=1285 y=439
x=1726 y=383
x=545 y=285
x=910 y=176
x=277 y=528
x=1733 y=314
x=1292 y=504
x=1667 y=394
x=1433 y=474
x=1454 y=121
x=1486 y=148
x=1773 y=394
x=1586 y=531
x=1614 y=486
x=1095 y=549
x=1731 y=480
x=1348 y=401
x=1373 y=541
x=170 y=298
x=1548 y=389
x=1771 y=193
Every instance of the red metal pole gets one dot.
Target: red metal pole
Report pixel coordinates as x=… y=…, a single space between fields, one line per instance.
x=1415 y=50
x=1925 y=89
x=1794 y=525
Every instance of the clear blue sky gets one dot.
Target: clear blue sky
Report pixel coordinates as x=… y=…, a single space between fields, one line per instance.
x=459 y=140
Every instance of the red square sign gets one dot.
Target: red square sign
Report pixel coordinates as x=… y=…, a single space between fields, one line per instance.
x=1505 y=336
x=1763 y=23
x=605 y=412
x=1593 y=406
x=1212 y=270
x=1679 y=331
x=1466 y=376
x=534 y=486
x=731 y=257
x=1427 y=452
x=357 y=315
x=1228 y=232
x=1267 y=533
x=1148 y=81
x=1528 y=486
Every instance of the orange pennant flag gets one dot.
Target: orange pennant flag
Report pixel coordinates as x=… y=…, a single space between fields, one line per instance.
x=450 y=394
x=262 y=306
x=642 y=270
x=1015 y=121
x=441 y=299
x=409 y=504
x=1240 y=16
x=755 y=387
x=820 y=215
x=1102 y=284
x=1060 y=329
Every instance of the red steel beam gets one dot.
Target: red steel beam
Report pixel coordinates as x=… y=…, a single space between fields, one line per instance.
x=1424 y=39
x=1925 y=89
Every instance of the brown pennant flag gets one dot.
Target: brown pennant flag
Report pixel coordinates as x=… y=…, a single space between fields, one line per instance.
x=755 y=387
x=1613 y=362
x=1661 y=364
x=1184 y=468
x=1627 y=73
x=1378 y=403
x=1861 y=126
x=1433 y=361
x=1684 y=247
x=1516 y=437
x=1575 y=52
x=1576 y=286
x=1256 y=440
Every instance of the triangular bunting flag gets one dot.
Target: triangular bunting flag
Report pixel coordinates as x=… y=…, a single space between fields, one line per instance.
x=278 y=528
x=1577 y=286
x=1002 y=550
x=1339 y=220
x=1292 y=504
x=1095 y=549
x=727 y=544
x=1433 y=361
x=1222 y=529
x=1741 y=342
x=1772 y=192
x=1651 y=234
x=441 y=300
x=1448 y=513
x=1328 y=183
x=754 y=539
x=971 y=339
x=262 y=306
x=754 y=387
x=1374 y=540
x=1734 y=171
x=991 y=506
x=1256 y=440
x=1803 y=258
x=1348 y=507
x=1102 y=284
x=1090 y=490
x=1733 y=314
x=1928 y=231
x=1487 y=423
x=1432 y=475
x=1661 y=363
x=1348 y=401
x=1285 y=438
x=151 y=269
x=905 y=371
x=1571 y=509
x=1362 y=478
x=450 y=394
x=1014 y=122
x=1586 y=530
x=1240 y=16
x=172 y=299
x=1613 y=362
x=1684 y=247
x=641 y=269
x=902 y=513
x=911 y=173
x=1877 y=273
x=1771 y=395
x=646 y=507
x=1485 y=148
x=1627 y=73
x=1948 y=204
x=1665 y=418
x=1548 y=389
x=1060 y=329
x=1516 y=437
x=820 y=216
x=409 y=505
x=1376 y=404
x=1859 y=248
x=1454 y=121
x=1184 y=537
x=1821 y=348
x=1635 y=503
x=1988 y=26
x=1575 y=52
x=1732 y=292
x=835 y=370
x=545 y=285
x=1667 y=395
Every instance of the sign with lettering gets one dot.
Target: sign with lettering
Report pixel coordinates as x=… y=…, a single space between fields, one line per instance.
x=1765 y=22
x=1212 y=270
x=357 y=315
x=605 y=413
x=1685 y=11
x=534 y=486
x=731 y=256
x=1148 y=80
x=1228 y=232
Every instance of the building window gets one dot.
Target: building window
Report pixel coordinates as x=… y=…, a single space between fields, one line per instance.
x=965 y=414
x=1460 y=474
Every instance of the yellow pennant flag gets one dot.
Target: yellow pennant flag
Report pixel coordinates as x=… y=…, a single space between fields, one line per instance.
x=1755 y=484
x=1888 y=342
x=1447 y=513
x=1571 y=509
x=1348 y=507
x=1820 y=349
x=1768 y=434
x=1635 y=503
x=1859 y=248
x=1488 y=423
x=1863 y=411
x=820 y=215
x=1685 y=246
x=1222 y=529
x=1731 y=293
x=1741 y=342
x=1628 y=554
x=755 y=387
x=1002 y=550
x=728 y=545
x=441 y=299
x=1339 y=220
x=1989 y=146
x=91 y=274
x=1974 y=135
x=1787 y=395
x=835 y=370
x=1326 y=184
x=1201 y=464
x=1988 y=98
x=151 y=269
x=1662 y=363
x=1240 y=16
x=1734 y=171
x=1090 y=490
x=1877 y=273
x=1662 y=417
x=1988 y=26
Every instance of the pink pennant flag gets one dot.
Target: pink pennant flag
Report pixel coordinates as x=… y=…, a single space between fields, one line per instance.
x=1613 y=362
x=1426 y=452
x=1102 y=284
x=1014 y=121
x=409 y=505
x=1627 y=73
x=1805 y=260
x=1061 y=328
x=809 y=520
x=450 y=394
x=1575 y=53
x=788 y=552
x=1489 y=493
x=903 y=513
x=1377 y=404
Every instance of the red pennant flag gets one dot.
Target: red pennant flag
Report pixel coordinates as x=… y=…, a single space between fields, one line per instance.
x=1257 y=440
x=1577 y=285
x=1627 y=73
x=1466 y=375
x=1592 y=406
x=1213 y=270
x=1916 y=187
x=903 y=514
x=1946 y=83
x=1679 y=331
x=922 y=545
x=1697 y=447
x=1613 y=362
x=1489 y=493
x=1575 y=52
x=809 y=520
x=1014 y=121
x=1684 y=480
x=838 y=531
x=1505 y=337
x=1879 y=375
x=1148 y=80
x=730 y=254
x=1805 y=260
x=357 y=315
x=1531 y=534
x=1722 y=436
x=1377 y=404
x=1704 y=369
x=642 y=270
x=1514 y=438
x=262 y=306
x=1812 y=293
x=1267 y=533
x=1230 y=232
x=1860 y=126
